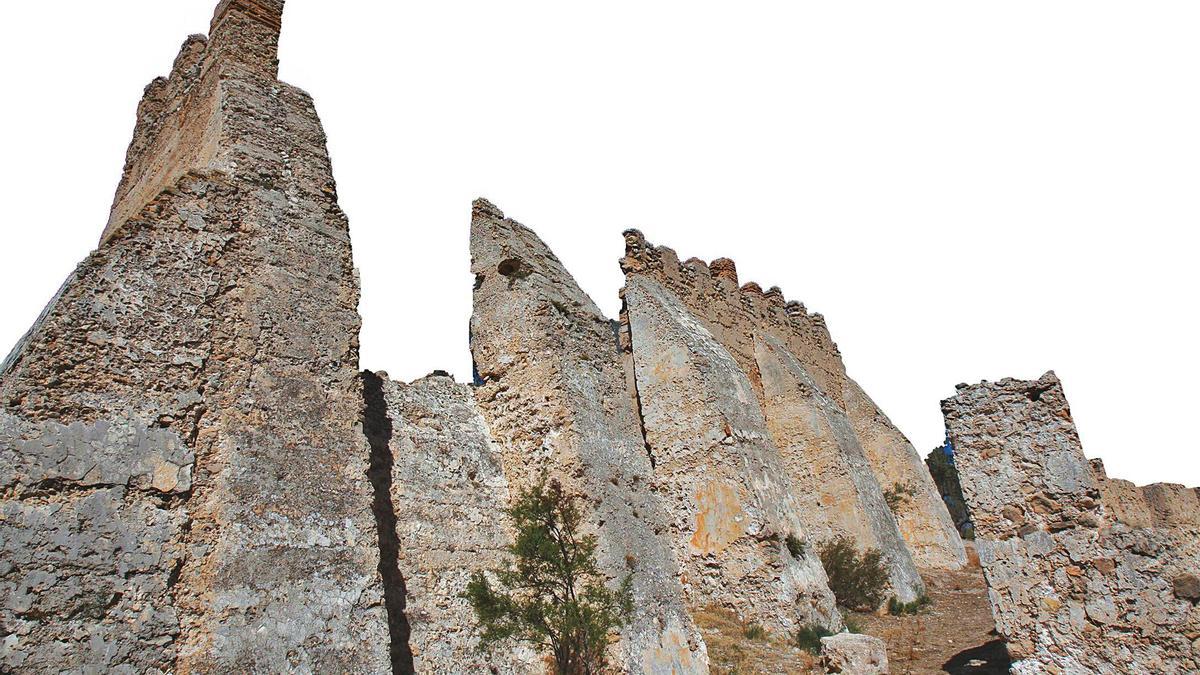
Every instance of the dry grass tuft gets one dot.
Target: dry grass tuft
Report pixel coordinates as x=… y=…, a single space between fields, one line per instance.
x=731 y=652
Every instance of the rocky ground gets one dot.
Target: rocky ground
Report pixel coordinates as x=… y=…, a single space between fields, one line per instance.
x=955 y=634
x=733 y=649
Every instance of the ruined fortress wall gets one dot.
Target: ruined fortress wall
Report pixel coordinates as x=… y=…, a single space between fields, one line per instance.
x=731 y=504
x=1071 y=590
x=736 y=315
x=553 y=393
x=1025 y=465
x=1173 y=505
x=1123 y=501
x=837 y=491
x=1157 y=505
x=181 y=118
x=447 y=494
x=214 y=333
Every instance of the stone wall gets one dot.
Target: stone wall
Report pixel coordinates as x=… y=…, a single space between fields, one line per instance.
x=833 y=479
x=731 y=505
x=1072 y=588
x=553 y=393
x=739 y=318
x=203 y=362
x=447 y=495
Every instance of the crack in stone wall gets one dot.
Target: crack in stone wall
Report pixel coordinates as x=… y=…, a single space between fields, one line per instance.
x=730 y=503
x=736 y=316
x=449 y=494
x=378 y=428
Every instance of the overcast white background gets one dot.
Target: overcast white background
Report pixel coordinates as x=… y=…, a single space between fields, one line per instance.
x=966 y=190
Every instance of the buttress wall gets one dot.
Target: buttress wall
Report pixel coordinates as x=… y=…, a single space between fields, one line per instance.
x=203 y=360
x=737 y=316
x=553 y=393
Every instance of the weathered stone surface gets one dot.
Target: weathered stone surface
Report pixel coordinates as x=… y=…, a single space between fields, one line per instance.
x=1071 y=591
x=834 y=486
x=553 y=393
x=736 y=317
x=731 y=503
x=1036 y=477
x=1173 y=505
x=220 y=308
x=90 y=545
x=854 y=654
x=448 y=492
x=1123 y=501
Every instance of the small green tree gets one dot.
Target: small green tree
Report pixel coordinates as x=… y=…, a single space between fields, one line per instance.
x=551 y=594
x=858 y=581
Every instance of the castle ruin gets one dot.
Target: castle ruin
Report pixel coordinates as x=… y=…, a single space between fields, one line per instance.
x=196 y=476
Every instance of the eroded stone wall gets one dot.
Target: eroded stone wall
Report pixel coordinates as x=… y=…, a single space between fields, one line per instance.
x=211 y=340
x=1072 y=588
x=832 y=477
x=553 y=393
x=730 y=502
x=741 y=317
x=447 y=494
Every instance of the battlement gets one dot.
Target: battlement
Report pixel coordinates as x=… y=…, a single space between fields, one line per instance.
x=711 y=289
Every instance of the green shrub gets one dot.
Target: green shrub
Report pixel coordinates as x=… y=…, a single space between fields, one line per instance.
x=899 y=495
x=851 y=621
x=897 y=608
x=551 y=594
x=859 y=581
x=809 y=637
x=794 y=546
x=755 y=632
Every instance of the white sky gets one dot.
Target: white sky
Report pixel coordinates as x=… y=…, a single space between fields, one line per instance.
x=966 y=190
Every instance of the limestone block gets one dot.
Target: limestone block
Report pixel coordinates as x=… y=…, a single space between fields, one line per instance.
x=834 y=486
x=731 y=502
x=554 y=395
x=854 y=654
x=102 y=454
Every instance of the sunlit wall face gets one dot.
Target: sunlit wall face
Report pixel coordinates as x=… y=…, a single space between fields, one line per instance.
x=966 y=191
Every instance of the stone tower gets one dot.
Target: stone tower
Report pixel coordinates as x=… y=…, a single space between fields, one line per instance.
x=180 y=445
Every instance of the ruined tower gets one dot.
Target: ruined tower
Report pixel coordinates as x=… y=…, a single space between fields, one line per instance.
x=1084 y=573
x=180 y=439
